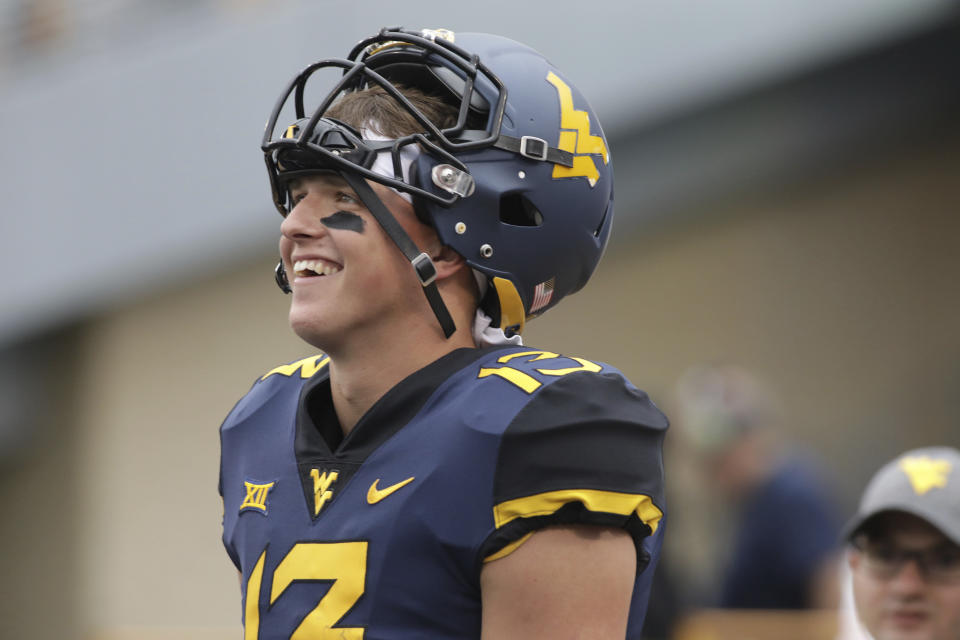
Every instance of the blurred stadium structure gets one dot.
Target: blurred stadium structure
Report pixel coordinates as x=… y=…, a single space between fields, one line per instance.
x=787 y=199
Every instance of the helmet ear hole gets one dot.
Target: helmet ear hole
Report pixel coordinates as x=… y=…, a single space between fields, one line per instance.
x=517 y=210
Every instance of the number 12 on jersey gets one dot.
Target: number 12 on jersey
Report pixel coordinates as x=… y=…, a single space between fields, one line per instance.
x=342 y=563
x=526 y=381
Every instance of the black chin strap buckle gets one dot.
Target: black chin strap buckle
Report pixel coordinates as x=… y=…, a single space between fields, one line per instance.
x=426 y=270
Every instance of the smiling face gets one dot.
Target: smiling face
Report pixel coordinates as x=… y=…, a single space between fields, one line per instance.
x=906 y=605
x=348 y=278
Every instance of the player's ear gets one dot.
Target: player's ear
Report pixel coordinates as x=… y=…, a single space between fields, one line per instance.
x=448 y=262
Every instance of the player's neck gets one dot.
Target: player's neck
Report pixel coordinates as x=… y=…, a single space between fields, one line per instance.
x=362 y=373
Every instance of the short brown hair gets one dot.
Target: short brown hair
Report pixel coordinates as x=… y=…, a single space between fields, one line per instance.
x=374 y=108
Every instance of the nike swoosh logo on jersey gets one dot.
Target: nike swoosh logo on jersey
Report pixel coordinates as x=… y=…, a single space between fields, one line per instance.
x=375 y=495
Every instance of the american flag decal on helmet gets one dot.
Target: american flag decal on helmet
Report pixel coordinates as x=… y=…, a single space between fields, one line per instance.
x=542 y=294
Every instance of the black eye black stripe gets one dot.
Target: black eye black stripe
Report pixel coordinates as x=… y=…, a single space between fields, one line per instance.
x=345 y=221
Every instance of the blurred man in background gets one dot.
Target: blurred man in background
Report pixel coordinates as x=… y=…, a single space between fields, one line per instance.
x=785 y=527
x=905 y=548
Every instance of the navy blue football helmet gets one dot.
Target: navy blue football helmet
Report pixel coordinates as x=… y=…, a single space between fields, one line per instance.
x=521 y=186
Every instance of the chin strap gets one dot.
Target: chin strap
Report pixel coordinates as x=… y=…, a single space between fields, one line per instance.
x=422 y=264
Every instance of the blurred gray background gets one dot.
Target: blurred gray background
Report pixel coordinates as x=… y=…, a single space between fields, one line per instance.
x=787 y=199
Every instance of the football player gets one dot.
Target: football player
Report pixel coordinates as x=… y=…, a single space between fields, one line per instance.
x=427 y=475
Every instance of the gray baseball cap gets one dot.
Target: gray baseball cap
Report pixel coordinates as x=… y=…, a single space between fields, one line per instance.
x=922 y=482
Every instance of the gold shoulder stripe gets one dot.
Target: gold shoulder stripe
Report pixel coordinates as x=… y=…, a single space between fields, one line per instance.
x=307 y=367
x=507 y=550
x=543 y=504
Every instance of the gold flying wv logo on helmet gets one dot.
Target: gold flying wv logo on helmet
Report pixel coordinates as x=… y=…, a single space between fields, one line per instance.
x=576 y=138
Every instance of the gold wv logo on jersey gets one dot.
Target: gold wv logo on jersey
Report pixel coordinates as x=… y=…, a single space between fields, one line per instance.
x=576 y=138
x=322 y=493
x=256 y=498
x=926 y=473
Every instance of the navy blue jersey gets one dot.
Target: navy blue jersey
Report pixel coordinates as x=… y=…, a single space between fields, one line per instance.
x=382 y=534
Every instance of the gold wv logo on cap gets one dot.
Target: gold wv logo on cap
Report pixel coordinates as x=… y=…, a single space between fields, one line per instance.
x=926 y=473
